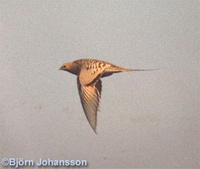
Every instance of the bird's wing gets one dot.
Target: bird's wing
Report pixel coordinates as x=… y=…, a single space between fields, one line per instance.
x=90 y=98
x=89 y=76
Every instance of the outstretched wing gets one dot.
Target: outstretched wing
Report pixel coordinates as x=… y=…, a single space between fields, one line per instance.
x=90 y=97
x=89 y=75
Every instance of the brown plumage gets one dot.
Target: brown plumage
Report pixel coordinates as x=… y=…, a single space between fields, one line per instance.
x=89 y=72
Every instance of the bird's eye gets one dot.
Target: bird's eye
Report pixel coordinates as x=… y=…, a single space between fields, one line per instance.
x=64 y=66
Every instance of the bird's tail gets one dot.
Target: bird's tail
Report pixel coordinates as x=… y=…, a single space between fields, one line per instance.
x=116 y=69
x=142 y=69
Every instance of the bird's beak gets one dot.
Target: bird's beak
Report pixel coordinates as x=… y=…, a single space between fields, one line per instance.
x=61 y=68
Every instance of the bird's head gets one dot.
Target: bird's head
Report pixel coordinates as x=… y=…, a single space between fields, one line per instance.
x=66 y=66
x=70 y=67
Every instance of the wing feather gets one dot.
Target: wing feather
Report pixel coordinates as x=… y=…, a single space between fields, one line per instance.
x=90 y=98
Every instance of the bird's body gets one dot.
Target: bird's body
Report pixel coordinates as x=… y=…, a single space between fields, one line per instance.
x=89 y=72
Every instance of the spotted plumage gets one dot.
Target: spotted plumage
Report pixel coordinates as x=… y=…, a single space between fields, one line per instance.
x=89 y=72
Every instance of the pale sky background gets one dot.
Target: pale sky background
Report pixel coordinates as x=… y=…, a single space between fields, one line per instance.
x=147 y=119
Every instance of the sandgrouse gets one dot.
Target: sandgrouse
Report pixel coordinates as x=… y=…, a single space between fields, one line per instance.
x=89 y=72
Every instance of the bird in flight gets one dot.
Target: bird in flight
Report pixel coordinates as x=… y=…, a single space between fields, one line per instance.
x=89 y=73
